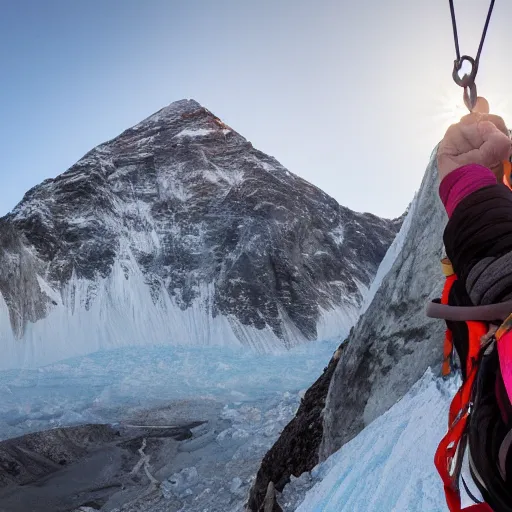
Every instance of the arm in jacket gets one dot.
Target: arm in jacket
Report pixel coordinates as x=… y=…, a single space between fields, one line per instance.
x=478 y=237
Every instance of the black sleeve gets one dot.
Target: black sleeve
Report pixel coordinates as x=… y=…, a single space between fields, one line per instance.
x=478 y=241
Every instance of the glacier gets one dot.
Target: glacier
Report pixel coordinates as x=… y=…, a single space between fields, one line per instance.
x=243 y=399
x=96 y=387
x=120 y=310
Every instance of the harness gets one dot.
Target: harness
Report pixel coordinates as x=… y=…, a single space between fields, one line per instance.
x=450 y=452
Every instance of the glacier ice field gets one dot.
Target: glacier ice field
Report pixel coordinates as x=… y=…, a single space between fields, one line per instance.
x=101 y=386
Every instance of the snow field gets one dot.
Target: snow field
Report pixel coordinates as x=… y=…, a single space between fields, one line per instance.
x=389 y=466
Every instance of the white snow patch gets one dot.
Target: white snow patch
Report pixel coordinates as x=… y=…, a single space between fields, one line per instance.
x=170 y=186
x=48 y=290
x=145 y=141
x=260 y=163
x=389 y=259
x=389 y=465
x=198 y=132
x=338 y=235
x=363 y=290
x=336 y=323
x=231 y=177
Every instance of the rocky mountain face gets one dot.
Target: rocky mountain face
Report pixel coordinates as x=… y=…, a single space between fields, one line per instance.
x=394 y=343
x=387 y=351
x=178 y=230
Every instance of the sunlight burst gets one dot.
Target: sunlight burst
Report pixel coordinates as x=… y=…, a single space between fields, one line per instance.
x=450 y=107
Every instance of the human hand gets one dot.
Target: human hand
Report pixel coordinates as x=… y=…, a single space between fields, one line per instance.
x=478 y=138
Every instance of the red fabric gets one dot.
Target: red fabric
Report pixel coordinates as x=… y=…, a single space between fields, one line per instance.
x=462 y=182
x=447 y=353
x=458 y=413
x=447 y=448
x=447 y=288
x=505 y=353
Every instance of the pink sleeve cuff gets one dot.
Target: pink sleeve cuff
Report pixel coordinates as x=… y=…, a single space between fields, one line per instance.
x=462 y=182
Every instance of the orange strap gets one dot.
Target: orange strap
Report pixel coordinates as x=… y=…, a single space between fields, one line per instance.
x=447 y=353
x=507 y=169
x=459 y=409
x=447 y=288
x=447 y=449
x=448 y=337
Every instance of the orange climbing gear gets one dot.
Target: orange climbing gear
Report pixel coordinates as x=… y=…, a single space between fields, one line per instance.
x=450 y=452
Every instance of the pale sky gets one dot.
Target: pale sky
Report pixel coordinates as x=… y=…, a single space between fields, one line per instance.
x=350 y=95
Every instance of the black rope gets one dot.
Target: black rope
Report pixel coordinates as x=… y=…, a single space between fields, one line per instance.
x=484 y=33
x=469 y=493
x=455 y=35
x=468 y=80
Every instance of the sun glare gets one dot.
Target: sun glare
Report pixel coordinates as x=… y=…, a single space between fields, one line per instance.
x=452 y=107
x=448 y=107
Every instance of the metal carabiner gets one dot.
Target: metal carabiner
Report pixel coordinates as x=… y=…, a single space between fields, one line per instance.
x=470 y=96
x=467 y=81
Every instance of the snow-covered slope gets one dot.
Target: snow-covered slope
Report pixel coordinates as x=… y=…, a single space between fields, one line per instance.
x=180 y=231
x=389 y=465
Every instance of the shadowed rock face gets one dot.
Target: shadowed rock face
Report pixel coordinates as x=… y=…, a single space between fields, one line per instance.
x=387 y=351
x=26 y=459
x=185 y=207
x=86 y=466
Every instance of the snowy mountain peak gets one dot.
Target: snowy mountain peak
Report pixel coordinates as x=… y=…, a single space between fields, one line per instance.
x=202 y=121
x=173 y=110
x=179 y=231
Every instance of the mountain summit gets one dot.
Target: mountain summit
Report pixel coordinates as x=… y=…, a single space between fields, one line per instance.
x=179 y=230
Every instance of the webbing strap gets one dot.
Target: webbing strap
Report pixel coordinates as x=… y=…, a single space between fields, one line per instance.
x=487 y=313
x=507 y=169
x=448 y=449
x=447 y=353
x=447 y=288
x=450 y=452
x=505 y=327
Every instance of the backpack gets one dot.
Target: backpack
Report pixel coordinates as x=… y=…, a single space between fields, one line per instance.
x=480 y=414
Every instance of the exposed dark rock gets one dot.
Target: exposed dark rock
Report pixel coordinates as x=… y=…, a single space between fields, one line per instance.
x=270 y=503
x=33 y=456
x=82 y=468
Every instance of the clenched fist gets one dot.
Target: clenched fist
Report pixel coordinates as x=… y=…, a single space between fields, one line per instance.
x=479 y=138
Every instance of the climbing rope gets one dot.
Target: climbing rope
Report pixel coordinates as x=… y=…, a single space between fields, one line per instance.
x=468 y=81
